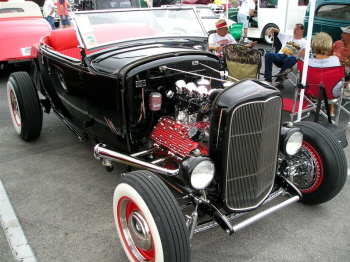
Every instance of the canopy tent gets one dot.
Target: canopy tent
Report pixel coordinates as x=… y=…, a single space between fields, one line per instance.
x=307 y=51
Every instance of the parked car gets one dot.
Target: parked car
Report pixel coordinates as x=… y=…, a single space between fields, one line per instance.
x=21 y=26
x=330 y=15
x=150 y=97
x=279 y=14
x=223 y=3
x=218 y=9
x=198 y=2
x=208 y=16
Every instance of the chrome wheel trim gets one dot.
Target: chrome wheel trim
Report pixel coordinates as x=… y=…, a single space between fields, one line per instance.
x=135 y=230
x=16 y=114
x=305 y=169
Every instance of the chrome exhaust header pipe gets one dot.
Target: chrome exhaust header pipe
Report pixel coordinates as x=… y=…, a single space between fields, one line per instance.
x=100 y=152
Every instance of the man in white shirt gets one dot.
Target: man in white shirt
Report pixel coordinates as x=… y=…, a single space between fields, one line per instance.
x=221 y=38
x=293 y=47
x=49 y=13
x=246 y=10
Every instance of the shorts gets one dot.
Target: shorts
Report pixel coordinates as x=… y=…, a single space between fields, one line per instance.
x=241 y=18
x=51 y=21
x=65 y=22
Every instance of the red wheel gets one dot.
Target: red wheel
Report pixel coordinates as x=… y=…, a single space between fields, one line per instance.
x=14 y=109
x=136 y=233
x=319 y=169
x=312 y=181
x=149 y=222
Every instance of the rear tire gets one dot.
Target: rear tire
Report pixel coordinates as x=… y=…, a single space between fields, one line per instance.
x=150 y=224
x=264 y=35
x=24 y=105
x=321 y=167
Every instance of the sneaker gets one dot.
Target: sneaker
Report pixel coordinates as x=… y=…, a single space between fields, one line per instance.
x=279 y=79
x=246 y=40
x=285 y=73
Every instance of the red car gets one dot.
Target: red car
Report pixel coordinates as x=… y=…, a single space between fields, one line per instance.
x=21 y=26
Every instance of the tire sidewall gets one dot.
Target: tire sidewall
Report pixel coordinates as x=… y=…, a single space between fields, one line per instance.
x=125 y=190
x=329 y=151
x=29 y=107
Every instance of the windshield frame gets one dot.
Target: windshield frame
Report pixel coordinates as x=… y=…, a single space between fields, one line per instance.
x=152 y=25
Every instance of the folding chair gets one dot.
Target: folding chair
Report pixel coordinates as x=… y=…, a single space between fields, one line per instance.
x=320 y=83
x=241 y=62
x=346 y=98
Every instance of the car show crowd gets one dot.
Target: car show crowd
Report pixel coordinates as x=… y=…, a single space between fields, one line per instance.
x=56 y=12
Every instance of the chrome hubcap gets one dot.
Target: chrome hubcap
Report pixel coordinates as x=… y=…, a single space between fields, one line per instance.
x=305 y=169
x=135 y=230
x=301 y=169
x=15 y=108
x=139 y=231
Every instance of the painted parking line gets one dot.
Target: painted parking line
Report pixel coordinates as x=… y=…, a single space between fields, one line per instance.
x=348 y=172
x=18 y=242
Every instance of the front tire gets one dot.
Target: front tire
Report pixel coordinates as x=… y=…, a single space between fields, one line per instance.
x=319 y=170
x=149 y=222
x=24 y=105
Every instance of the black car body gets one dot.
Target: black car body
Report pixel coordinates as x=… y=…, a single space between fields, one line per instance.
x=142 y=86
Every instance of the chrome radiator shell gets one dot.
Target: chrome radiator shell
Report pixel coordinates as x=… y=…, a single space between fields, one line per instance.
x=244 y=142
x=252 y=149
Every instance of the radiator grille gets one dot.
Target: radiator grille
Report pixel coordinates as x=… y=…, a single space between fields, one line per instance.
x=252 y=153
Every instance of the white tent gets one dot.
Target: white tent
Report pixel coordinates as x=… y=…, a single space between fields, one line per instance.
x=312 y=4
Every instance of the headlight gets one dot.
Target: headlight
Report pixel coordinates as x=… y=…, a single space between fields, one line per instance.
x=198 y=171
x=292 y=140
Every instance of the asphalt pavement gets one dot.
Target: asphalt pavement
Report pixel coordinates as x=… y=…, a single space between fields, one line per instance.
x=63 y=200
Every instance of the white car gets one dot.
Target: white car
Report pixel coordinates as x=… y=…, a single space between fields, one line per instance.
x=218 y=9
x=208 y=17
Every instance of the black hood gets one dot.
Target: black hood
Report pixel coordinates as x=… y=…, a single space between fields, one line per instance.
x=117 y=60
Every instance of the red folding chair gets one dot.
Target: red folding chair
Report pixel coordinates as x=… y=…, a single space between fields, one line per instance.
x=317 y=78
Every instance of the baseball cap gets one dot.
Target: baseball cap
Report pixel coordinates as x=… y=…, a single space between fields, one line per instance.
x=346 y=29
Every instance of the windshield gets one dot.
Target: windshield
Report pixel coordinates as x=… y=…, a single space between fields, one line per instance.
x=98 y=29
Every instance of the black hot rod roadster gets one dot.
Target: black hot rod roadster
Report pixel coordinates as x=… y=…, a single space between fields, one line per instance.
x=140 y=84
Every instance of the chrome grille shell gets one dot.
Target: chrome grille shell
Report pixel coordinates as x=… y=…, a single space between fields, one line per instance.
x=252 y=148
x=244 y=142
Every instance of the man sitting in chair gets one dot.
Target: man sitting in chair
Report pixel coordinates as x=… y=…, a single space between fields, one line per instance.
x=293 y=47
x=222 y=38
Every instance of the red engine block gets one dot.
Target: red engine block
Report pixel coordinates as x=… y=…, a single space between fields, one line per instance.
x=174 y=136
